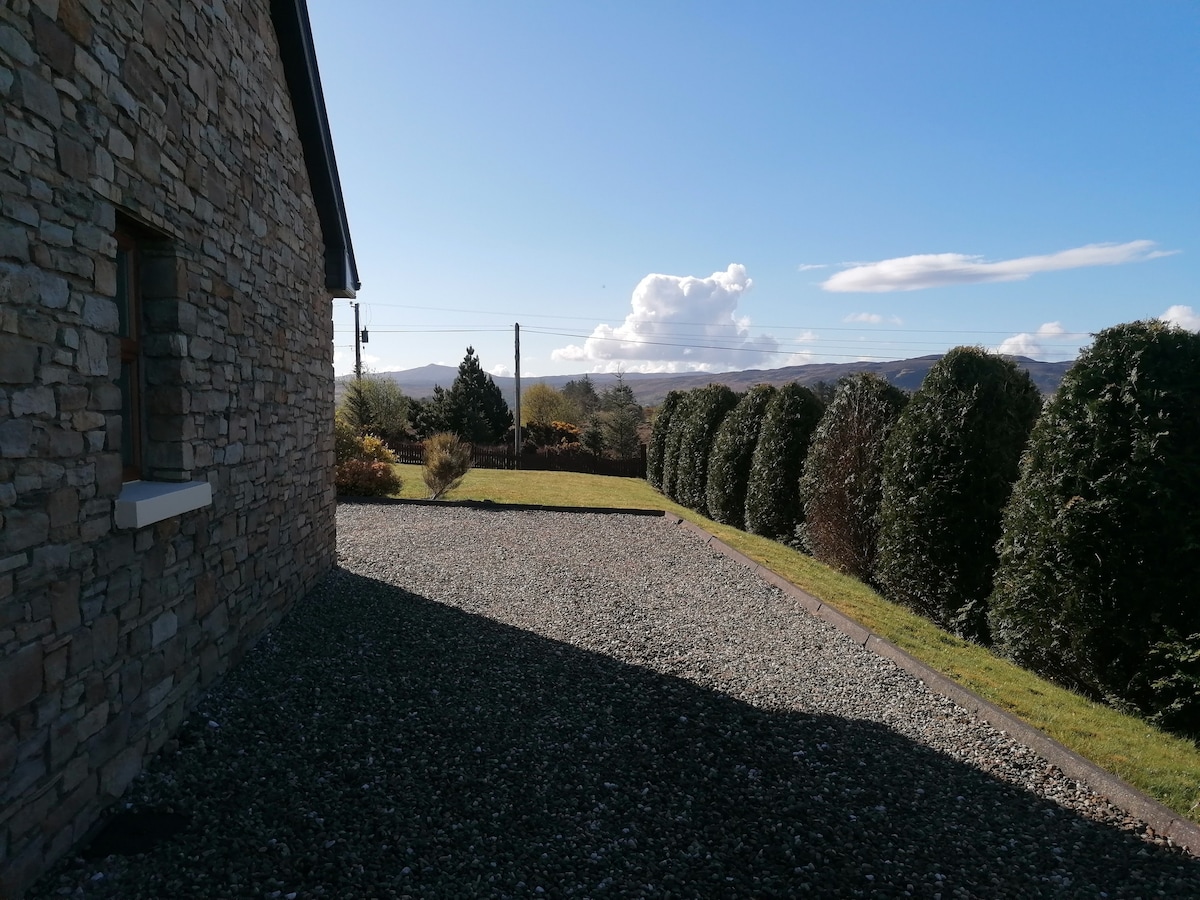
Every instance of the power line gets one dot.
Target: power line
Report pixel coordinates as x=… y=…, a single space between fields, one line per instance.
x=866 y=326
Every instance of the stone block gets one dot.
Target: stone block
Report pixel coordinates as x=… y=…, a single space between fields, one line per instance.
x=14 y=243
x=24 y=528
x=74 y=159
x=64 y=603
x=55 y=668
x=36 y=401
x=63 y=507
x=164 y=627
x=95 y=719
x=21 y=679
x=101 y=313
x=116 y=775
x=18 y=359
x=16 y=438
x=81 y=649
x=63 y=443
x=40 y=97
x=105 y=633
x=54 y=44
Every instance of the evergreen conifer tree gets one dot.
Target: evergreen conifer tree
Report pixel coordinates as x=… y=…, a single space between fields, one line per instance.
x=474 y=407
x=657 y=450
x=842 y=485
x=733 y=450
x=1097 y=586
x=773 y=492
x=709 y=407
x=949 y=467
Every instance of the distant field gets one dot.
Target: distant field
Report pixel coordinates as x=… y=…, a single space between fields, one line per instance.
x=1165 y=767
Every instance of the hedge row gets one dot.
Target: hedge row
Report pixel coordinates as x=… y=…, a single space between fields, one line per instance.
x=1067 y=537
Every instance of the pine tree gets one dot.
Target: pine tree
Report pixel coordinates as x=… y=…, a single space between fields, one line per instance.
x=620 y=417
x=474 y=407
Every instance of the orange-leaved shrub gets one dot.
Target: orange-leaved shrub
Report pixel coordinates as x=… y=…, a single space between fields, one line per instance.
x=363 y=463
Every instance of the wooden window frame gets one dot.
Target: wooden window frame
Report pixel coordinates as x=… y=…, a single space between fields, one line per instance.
x=129 y=302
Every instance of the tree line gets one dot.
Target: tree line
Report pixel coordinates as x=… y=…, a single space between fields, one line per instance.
x=1064 y=534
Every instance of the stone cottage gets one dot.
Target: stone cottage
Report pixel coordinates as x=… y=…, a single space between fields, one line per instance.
x=171 y=235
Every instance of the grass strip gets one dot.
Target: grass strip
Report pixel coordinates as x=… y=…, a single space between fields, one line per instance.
x=1161 y=765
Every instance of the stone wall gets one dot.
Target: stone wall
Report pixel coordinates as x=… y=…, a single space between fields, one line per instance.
x=173 y=116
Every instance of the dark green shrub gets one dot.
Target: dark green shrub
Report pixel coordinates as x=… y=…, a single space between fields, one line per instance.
x=773 y=491
x=949 y=467
x=674 y=437
x=709 y=407
x=656 y=451
x=842 y=485
x=733 y=449
x=1098 y=583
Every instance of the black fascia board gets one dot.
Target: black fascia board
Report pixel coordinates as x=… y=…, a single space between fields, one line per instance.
x=299 y=57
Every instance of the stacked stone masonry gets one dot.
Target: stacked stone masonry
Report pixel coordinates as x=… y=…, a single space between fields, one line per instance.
x=173 y=117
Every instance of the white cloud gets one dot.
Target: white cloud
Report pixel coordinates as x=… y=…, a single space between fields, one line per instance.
x=1183 y=316
x=808 y=267
x=500 y=370
x=914 y=273
x=679 y=323
x=1033 y=345
x=869 y=318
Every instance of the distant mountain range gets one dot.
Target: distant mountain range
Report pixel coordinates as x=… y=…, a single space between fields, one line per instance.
x=651 y=388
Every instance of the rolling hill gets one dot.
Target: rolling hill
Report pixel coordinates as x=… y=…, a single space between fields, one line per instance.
x=651 y=388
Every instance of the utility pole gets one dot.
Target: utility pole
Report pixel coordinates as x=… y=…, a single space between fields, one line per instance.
x=517 y=430
x=357 y=346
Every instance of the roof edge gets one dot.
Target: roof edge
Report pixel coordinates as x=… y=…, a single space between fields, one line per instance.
x=299 y=57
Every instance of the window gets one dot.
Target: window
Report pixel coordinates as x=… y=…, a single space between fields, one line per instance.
x=129 y=311
x=156 y=474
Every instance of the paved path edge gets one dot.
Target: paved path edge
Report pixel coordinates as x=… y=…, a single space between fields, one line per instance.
x=1164 y=820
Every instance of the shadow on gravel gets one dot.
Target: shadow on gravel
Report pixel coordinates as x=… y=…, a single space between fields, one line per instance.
x=380 y=744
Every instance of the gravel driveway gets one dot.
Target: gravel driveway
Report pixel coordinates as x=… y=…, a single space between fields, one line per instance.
x=523 y=704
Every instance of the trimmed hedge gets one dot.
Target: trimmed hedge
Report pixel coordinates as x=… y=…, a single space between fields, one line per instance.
x=773 y=491
x=842 y=485
x=708 y=408
x=672 y=439
x=733 y=450
x=949 y=467
x=1099 y=579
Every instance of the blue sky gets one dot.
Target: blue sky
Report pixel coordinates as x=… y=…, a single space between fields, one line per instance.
x=678 y=186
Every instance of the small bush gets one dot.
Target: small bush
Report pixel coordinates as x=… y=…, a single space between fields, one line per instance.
x=842 y=484
x=773 y=492
x=656 y=451
x=949 y=467
x=733 y=449
x=447 y=461
x=365 y=478
x=1097 y=586
x=709 y=407
x=363 y=463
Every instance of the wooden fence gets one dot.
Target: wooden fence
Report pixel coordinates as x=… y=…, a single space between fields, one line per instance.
x=546 y=459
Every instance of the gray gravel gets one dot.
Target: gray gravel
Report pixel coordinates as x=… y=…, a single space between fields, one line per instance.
x=524 y=704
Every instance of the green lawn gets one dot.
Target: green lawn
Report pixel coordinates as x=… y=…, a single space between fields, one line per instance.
x=1165 y=767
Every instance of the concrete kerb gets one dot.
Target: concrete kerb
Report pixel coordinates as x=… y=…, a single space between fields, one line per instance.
x=1162 y=819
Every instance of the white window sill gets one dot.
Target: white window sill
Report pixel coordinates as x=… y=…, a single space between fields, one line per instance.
x=143 y=503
